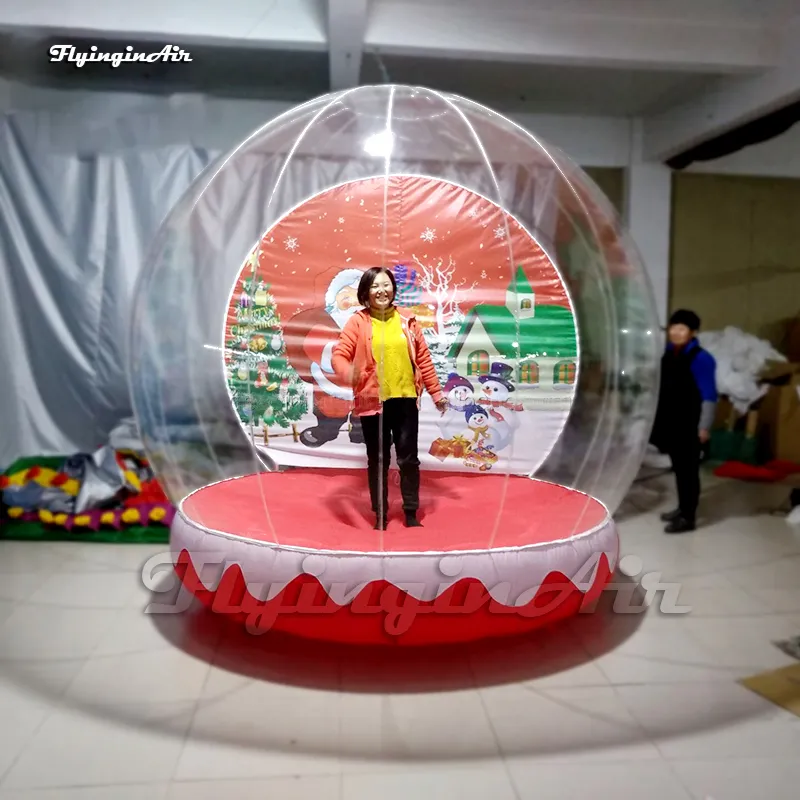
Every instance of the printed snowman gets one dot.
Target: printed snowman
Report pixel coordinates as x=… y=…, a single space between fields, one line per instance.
x=479 y=431
x=460 y=395
x=504 y=416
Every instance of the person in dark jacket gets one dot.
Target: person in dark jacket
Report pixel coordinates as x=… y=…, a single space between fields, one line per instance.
x=686 y=408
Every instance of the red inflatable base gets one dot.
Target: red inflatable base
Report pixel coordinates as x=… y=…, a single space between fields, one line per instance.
x=384 y=614
x=331 y=576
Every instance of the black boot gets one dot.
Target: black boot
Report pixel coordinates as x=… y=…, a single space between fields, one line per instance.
x=680 y=525
x=671 y=516
x=317 y=436
x=411 y=520
x=326 y=430
x=356 y=434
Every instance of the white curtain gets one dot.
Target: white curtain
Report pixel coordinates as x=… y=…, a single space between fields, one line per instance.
x=75 y=228
x=73 y=233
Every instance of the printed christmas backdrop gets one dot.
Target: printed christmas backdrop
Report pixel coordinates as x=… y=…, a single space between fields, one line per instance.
x=492 y=307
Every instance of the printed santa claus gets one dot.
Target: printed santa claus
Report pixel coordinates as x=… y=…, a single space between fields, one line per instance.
x=310 y=337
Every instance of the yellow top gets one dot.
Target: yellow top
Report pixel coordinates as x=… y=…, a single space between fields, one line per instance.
x=390 y=349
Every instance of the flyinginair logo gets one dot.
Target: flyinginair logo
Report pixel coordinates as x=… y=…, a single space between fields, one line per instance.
x=67 y=52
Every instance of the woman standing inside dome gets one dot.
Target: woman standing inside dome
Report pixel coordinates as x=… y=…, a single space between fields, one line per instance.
x=387 y=361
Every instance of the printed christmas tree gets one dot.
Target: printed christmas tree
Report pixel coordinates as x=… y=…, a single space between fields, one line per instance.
x=265 y=389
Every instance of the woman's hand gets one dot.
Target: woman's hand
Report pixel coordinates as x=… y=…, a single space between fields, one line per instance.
x=442 y=405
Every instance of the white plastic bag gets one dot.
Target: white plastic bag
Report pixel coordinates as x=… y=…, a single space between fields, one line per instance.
x=740 y=358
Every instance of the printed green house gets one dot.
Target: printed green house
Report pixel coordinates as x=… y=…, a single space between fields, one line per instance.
x=539 y=342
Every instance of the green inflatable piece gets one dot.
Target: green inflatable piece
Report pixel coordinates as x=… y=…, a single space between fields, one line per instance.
x=36 y=531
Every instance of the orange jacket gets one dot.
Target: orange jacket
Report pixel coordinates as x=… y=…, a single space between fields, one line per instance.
x=353 y=360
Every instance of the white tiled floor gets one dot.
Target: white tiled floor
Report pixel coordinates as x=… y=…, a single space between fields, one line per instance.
x=101 y=702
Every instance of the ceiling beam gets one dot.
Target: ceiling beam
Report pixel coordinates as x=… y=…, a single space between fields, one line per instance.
x=347 y=23
x=284 y=24
x=491 y=30
x=733 y=103
x=524 y=34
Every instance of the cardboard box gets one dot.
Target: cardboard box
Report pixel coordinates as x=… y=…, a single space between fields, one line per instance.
x=779 y=411
x=726 y=416
x=777 y=372
x=791 y=345
x=780 y=686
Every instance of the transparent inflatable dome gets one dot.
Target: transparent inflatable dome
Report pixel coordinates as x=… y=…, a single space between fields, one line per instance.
x=513 y=262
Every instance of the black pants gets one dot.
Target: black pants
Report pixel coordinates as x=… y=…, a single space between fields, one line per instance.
x=398 y=424
x=684 y=452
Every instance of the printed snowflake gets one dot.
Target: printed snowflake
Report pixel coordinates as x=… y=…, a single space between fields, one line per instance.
x=499 y=232
x=428 y=235
x=472 y=213
x=483 y=273
x=341 y=220
x=291 y=243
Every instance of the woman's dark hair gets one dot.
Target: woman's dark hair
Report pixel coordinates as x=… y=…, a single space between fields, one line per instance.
x=368 y=278
x=684 y=316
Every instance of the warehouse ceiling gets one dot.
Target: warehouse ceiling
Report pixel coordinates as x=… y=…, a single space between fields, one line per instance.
x=691 y=70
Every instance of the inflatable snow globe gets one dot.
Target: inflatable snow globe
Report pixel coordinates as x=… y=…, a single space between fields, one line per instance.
x=518 y=327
